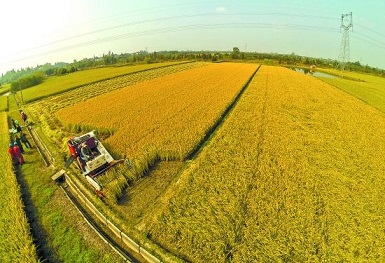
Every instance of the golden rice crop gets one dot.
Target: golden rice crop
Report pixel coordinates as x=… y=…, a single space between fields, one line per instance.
x=60 y=84
x=295 y=173
x=3 y=103
x=43 y=111
x=16 y=244
x=165 y=117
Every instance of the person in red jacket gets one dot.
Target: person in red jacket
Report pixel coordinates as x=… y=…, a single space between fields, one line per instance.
x=12 y=153
x=17 y=151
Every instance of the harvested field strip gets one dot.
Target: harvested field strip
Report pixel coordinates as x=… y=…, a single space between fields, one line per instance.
x=169 y=114
x=16 y=244
x=296 y=173
x=371 y=89
x=60 y=84
x=54 y=103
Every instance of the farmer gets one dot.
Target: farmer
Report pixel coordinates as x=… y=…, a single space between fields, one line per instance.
x=18 y=153
x=12 y=153
x=15 y=123
x=86 y=152
x=24 y=140
x=18 y=142
x=24 y=117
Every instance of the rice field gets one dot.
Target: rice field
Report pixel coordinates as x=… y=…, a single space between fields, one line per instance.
x=4 y=88
x=164 y=118
x=60 y=84
x=16 y=243
x=370 y=89
x=3 y=103
x=295 y=174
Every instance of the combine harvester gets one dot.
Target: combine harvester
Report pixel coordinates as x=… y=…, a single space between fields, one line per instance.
x=92 y=158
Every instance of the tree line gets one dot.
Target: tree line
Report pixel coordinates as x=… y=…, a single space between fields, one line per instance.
x=27 y=81
x=31 y=76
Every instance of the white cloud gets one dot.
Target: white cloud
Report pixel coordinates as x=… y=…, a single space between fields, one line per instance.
x=221 y=9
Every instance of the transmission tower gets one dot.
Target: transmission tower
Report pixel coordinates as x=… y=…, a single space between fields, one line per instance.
x=346 y=27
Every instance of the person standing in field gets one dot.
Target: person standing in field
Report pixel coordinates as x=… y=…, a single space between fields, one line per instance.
x=15 y=123
x=12 y=153
x=24 y=117
x=18 y=142
x=24 y=140
x=18 y=153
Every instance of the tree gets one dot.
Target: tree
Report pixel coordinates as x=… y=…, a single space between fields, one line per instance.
x=50 y=71
x=27 y=81
x=61 y=71
x=235 y=53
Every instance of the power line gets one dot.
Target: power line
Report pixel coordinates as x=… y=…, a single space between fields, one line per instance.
x=170 y=18
x=184 y=28
x=77 y=43
x=370 y=39
x=371 y=30
x=374 y=43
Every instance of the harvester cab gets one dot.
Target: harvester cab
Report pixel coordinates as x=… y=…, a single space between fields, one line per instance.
x=92 y=157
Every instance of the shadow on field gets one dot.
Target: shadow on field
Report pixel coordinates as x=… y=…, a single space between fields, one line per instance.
x=39 y=235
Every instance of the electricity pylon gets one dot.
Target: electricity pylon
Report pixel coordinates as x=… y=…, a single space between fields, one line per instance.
x=346 y=25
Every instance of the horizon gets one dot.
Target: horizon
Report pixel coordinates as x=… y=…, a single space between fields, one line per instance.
x=82 y=29
x=179 y=51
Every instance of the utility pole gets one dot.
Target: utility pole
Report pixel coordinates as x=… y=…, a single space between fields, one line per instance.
x=346 y=25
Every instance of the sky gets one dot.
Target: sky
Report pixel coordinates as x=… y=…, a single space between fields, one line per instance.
x=35 y=32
